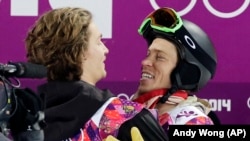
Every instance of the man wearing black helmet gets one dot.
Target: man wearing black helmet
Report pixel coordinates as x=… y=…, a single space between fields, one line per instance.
x=180 y=61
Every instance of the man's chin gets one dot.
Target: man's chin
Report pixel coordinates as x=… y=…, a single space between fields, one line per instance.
x=104 y=75
x=144 y=89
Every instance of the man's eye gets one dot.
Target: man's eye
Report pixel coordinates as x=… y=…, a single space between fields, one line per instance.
x=160 y=57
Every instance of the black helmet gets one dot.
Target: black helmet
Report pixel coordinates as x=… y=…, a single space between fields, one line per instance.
x=197 y=55
x=197 y=66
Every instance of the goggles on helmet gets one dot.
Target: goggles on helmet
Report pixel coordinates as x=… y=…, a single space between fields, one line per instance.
x=164 y=19
x=166 y=23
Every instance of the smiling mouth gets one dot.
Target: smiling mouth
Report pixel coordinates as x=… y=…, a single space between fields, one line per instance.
x=147 y=76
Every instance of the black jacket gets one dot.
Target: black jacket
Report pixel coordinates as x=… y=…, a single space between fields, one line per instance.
x=69 y=105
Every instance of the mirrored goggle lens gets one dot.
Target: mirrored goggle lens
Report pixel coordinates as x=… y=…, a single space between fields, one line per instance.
x=163 y=19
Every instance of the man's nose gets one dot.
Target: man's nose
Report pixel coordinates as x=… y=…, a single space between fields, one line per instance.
x=147 y=62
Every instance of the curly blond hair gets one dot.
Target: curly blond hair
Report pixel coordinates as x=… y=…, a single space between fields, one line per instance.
x=58 y=40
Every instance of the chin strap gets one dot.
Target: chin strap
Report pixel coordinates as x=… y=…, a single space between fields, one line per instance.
x=165 y=97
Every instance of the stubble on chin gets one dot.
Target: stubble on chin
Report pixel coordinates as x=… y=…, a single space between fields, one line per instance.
x=141 y=90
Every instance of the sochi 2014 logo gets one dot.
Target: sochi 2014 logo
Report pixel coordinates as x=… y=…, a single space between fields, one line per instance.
x=209 y=7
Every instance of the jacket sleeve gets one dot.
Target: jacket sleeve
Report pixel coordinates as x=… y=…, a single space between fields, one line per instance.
x=148 y=126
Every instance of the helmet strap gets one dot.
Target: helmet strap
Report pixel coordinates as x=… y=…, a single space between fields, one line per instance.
x=165 y=97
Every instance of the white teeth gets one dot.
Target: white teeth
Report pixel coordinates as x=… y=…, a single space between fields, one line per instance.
x=146 y=76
